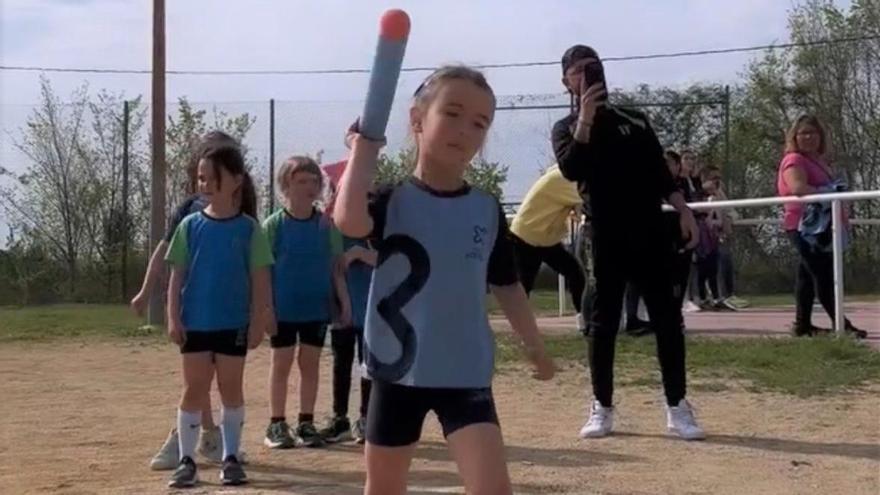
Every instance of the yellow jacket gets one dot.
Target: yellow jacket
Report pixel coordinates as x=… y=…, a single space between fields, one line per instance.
x=542 y=219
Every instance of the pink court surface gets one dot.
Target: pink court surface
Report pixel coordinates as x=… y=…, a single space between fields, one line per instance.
x=753 y=322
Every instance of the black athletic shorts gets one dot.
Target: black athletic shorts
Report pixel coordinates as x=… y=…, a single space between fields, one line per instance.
x=309 y=333
x=226 y=342
x=397 y=412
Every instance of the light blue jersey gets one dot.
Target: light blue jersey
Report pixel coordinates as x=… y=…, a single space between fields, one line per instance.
x=218 y=255
x=302 y=276
x=427 y=323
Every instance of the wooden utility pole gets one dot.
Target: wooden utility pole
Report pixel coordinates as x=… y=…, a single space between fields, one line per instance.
x=157 y=185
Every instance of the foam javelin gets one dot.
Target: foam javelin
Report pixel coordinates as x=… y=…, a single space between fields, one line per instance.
x=393 y=34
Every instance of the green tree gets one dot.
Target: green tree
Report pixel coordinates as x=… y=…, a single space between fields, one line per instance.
x=483 y=174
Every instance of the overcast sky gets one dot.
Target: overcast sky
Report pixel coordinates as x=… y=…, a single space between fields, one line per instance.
x=264 y=34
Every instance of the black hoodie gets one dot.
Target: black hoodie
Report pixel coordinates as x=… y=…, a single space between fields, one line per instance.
x=621 y=172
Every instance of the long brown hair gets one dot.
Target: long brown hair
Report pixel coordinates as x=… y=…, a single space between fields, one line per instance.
x=199 y=145
x=230 y=158
x=791 y=145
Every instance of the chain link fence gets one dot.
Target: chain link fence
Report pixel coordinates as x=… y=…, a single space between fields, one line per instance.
x=74 y=185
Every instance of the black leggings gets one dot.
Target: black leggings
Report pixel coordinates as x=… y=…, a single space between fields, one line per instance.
x=815 y=277
x=343 y=342
x=725 y=270
x=681 y=273
x=529 y=259
x=707 y=271
x=649 y=268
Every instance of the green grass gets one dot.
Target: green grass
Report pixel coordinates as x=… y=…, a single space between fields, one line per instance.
x=546 y=302
x=802 y=367
x=42 y=323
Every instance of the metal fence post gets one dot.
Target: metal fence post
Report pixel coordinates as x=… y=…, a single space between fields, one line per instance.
x=837 y=241
x=271 y=156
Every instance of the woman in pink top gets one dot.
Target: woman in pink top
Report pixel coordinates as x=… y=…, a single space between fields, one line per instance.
x=804 y=170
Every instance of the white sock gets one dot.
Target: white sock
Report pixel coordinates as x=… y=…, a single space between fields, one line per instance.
x=188 y=426
x=230 y=429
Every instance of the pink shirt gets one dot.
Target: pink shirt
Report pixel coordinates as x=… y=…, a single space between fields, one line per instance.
x=817 y=176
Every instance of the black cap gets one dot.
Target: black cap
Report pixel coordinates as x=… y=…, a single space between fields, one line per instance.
x=575 y=53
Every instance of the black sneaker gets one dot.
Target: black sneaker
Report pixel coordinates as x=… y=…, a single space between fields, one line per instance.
x=636 y=325
x=855 y=332
x=307 y=436
x=278 y=436
x=338 y=429
x=232 y=473
x=721 y=305
x=360 y=430
x=801 y=330
x=186 y=474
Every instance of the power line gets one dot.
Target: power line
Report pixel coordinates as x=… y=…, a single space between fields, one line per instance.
x=509 y=65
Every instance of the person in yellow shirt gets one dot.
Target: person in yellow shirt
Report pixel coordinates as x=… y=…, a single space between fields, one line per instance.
x=537 y=230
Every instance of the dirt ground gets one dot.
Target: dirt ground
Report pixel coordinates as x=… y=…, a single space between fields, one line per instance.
x=86 y=417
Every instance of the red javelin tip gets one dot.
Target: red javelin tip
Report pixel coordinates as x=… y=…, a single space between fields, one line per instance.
x=394 y=25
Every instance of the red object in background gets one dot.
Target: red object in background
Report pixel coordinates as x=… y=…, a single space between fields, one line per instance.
x=334 y=173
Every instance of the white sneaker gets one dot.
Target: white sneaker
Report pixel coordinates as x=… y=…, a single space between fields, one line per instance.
x=601 y=422
x=211 y=446
x=168 y=456
x=690 y=307
x=680 y=420
x=580 y=321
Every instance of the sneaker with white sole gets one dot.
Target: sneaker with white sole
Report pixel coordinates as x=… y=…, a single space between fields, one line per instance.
x=232 y=474
x=168 y=456
x=738 y=302
x=580 y=322
x=601 y=422
x=338 y=429
x=680 y=420
x=691 y=307
x=359 y=430
x=186 y=475
x=306 y=435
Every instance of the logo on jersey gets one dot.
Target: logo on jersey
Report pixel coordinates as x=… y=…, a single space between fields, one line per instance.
x=479 y=237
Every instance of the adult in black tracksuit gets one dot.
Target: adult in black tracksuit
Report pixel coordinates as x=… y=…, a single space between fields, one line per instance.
x=617 y=161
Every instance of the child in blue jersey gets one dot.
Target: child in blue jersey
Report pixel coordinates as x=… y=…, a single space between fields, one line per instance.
x=210 y=441
x=305 y=246
x=218 y=298
x=358 y=261
x=428 y=344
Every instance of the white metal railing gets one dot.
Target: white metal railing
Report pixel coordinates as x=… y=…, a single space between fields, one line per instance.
x=836 y=229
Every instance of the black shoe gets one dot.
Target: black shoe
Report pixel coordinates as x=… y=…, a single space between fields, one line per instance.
x=278 y=436
x=307 y=436
x=722 y=305
x=338 y=429
x=641 y=332
x=232 y=473
x=186 y=474
x=801 y=330
x=855 y=332
x=636 y=325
